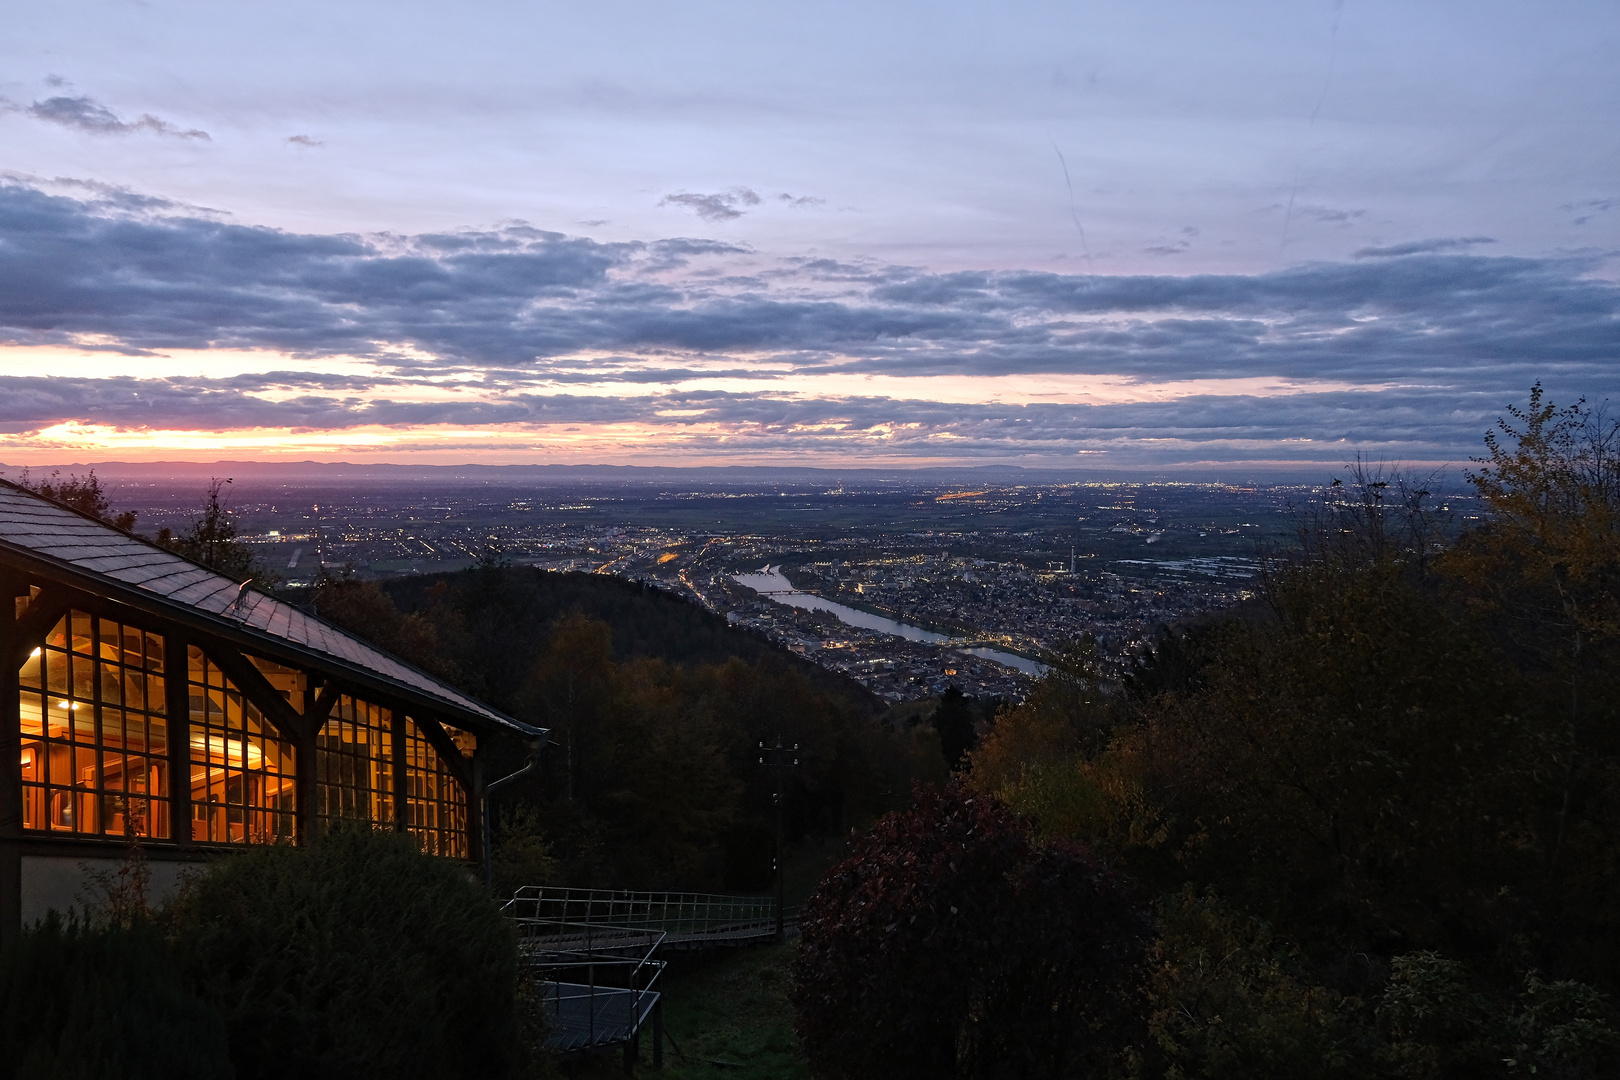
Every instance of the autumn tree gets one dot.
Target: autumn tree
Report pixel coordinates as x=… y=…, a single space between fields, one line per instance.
x=950 y=945
x=572 y=691
x=1544 y=570
x=365 y=608
x=1548 y=562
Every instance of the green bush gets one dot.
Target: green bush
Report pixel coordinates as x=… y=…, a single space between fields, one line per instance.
x=356 y=956
x=1228 y=1001
x=1439 y=1025
x=93 y=1003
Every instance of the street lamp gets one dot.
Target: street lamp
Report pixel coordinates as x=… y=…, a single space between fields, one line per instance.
x=779 y=759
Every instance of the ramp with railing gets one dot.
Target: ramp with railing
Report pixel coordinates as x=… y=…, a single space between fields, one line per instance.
x=594 y=952
x=686 y=920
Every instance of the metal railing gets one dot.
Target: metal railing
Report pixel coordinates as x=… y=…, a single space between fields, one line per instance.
x=596 y=989
x=593 y=952
x=683 y=918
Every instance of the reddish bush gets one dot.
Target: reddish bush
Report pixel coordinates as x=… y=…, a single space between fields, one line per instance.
x=948 y=945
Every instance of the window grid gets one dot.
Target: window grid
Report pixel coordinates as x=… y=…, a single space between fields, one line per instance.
x=353 y=773
x=94 y=734
x=242 y=774
x=435 y=804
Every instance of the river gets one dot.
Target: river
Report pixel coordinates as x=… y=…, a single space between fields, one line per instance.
x=771 y=584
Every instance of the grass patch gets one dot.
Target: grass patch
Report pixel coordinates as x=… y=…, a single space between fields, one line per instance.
x=732 y=1009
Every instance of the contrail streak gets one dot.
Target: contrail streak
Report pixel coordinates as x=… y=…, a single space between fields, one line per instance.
x=1333 y=59
x=1074 y=213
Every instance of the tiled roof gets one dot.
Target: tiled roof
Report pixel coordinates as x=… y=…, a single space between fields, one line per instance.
x=46 y=529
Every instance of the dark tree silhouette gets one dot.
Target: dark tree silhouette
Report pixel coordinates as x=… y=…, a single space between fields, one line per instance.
x=953 y=723
x=212 y=541
x=82 y=493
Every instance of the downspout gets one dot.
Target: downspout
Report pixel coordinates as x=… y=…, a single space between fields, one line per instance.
x=535 y=746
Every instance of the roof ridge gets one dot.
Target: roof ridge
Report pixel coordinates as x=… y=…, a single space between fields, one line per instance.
x=435 y=685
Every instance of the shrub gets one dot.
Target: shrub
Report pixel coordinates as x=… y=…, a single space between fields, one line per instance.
x=1229 y=1001
x=1439 y=1025
x=949 y=945
x=91 y=1003
x=356 y=956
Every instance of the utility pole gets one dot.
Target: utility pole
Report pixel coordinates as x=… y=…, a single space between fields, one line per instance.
x=779 y=759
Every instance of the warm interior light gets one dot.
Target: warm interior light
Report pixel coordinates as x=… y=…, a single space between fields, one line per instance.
x=69 y=705
x=231 y=750
x=34 y=655
x=27 y=757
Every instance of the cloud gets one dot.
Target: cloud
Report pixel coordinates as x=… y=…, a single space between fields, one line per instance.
x=1322 y=429
x=1590 y=208
x=1329 y=214
x=721 y=206
x=510 y=326
x=1423 y=247
x=90 y=116
x=304 y=140
x=1174 y=247
x=800 y=201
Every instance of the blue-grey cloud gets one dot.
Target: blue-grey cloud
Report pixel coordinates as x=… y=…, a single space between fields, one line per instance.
x=720 y=206
x=1587 y=209
x=1425 y=424
x=1438 y=339
x=88 y=115
x=1424 y=247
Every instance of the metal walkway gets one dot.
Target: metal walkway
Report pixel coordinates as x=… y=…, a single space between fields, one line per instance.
x=582 y=1016
x=594 y=953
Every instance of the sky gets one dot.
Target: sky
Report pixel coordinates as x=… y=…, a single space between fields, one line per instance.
x=1150 y=237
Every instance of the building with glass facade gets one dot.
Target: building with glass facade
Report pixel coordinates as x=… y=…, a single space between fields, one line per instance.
x=146 y=696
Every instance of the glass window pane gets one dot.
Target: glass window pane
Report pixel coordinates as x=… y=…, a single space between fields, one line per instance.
x=84 y=766
x=250 y=764
x=84 y=677
x=111 y=688
x=32 y=669
x=133 y=688
x=56 y=671
x=437 y=810
x=82 y=627
x=354 y=766
x=31 y=711
x=291 y=683
x=33 y=761
x=110 y=637
x=92 y=713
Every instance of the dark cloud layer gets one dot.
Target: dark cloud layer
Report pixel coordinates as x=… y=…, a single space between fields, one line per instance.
x=1324 y=427
x=1436 y=338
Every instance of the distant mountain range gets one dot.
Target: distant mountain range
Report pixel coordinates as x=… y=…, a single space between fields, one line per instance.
x=322 y=473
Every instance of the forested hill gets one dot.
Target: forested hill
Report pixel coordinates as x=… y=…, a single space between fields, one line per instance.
x=655 y=709
x=519 y=605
